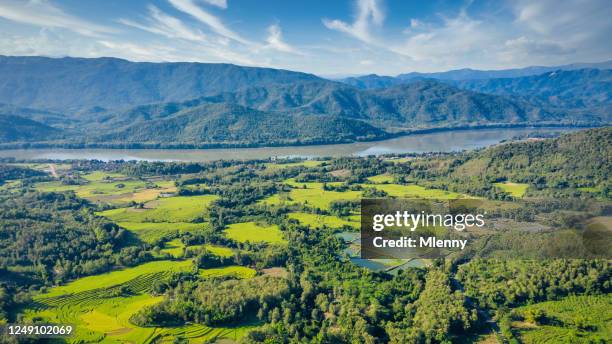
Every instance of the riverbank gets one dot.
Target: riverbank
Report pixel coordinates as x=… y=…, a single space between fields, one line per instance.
x=439 y=141
x=294 y=143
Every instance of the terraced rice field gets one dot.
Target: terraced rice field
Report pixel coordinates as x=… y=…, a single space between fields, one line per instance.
x=564 y=318
x=100 y=307
x=514 y=189
x=316 y=220
x=171 y=209
x=250 y=231
x=234 y=271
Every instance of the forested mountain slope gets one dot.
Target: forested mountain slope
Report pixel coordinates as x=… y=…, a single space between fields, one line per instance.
x=583 y=158
x=80 y=84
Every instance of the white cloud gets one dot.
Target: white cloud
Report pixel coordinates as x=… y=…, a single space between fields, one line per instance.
x=189 y=7
x=219 y=3
x=43 y=14
x=455 y=39
x=275 y=40
x=368 y=13
x=162 y=24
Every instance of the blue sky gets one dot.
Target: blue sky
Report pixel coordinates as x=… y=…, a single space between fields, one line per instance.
x=332 y=37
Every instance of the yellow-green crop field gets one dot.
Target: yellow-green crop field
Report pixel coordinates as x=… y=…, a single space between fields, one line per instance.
x=313 y=195
x=316 y=220
x=233 y=270
x=250 y=231
x=415 y=191
x=151 y=232
x=92 y=189
x=514 y=189
x=381 y=179
x=174 y=248
x=220 y=251
x=171 y=209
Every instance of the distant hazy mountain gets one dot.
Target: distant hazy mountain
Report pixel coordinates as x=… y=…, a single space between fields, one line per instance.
x=377 y=81
x=589 y=90
x=113 y=101
x=80 y=84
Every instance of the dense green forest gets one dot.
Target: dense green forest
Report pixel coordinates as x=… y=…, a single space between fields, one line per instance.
x=257 y=251
x=76 y=102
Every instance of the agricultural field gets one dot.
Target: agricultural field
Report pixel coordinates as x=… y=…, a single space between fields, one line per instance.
x=382 y=179
x=514 y=189
x=316 y=220
x=220 y=251
x=174 y=248
x=170 y=209
x=574 y=319
x=152 y=232
x=100 y=306
x=251 y=231
x=311 y=194
x=414 y=191
x=232 y=270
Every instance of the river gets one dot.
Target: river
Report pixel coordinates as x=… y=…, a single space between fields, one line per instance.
x=444 y=141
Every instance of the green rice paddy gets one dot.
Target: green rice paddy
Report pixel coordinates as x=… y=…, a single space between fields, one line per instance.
x=234 y=271
x=382 y=179
x=152 y=232
x=171 y=209
x=415 y=191
x=252 y=232
x=316 y=220
x=99 y=307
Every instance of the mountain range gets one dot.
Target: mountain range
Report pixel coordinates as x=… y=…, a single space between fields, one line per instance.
x=113 y=102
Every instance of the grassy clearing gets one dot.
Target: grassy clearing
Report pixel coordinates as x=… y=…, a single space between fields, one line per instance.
x=151 y=232
x=250 y=231
x=414 y=191
x=234 y=271
x=315 y=220
x=382 y=179
x=514 y=189
x=171 y=209
x=575 y=319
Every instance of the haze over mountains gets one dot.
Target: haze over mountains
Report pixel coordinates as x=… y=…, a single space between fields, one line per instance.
x=108 y=101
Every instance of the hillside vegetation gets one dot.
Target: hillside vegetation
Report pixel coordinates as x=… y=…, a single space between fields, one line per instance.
x=108 y=102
